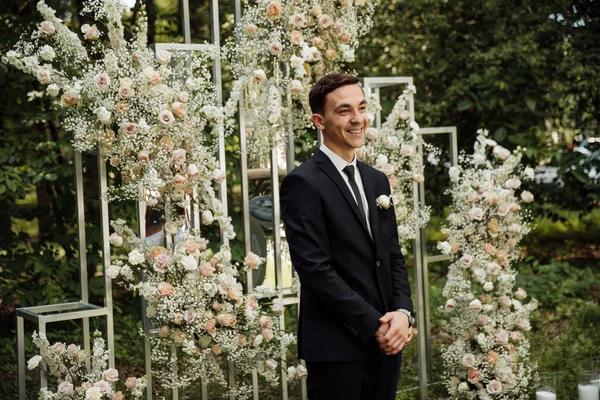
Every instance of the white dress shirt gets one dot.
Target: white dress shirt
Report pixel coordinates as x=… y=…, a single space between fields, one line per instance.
x=340 y=164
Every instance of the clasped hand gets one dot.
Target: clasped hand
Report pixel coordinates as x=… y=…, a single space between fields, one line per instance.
x=394 y=332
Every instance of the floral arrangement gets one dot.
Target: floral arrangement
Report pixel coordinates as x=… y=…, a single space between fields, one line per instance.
x=146 y=111
x=66 y=365
x=488 y=318
x=394 y=150
x=199 y=307
x=280 y=49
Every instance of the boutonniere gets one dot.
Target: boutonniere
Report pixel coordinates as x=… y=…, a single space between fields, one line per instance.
x=383 y=201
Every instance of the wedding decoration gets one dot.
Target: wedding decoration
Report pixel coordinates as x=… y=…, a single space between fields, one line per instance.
x=393 y=150
x=147 y=112
x=280 y=49
x=66 y=366
x=487 y=317
x=198 y=306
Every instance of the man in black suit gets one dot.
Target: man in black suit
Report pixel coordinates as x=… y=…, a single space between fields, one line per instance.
x=355 y=306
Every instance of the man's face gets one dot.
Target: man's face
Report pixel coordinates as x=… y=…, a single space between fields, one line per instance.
x=344 y=120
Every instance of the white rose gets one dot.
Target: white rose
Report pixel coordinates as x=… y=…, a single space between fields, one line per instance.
x=103 y=115
x=179 y=156
x=450 y=305
x=47 y=27
x=207 y=217
x=135 y=257
x=218 y=175
x=512 y=183
x=527 y=197
x=34 y=362
x=110 y=375
x=523 y=324
x=296 y=87
x=419 y=178
x=463 y=387
x=494 y=387
x=93 y=393
x=52 y=90
x=65 y=389
x=301 y=372
x=383 y=201
x=393 y=142
x=171 y=228
x=259 y=76
x=415 y=127
x=488 y=286
x=476 y=213
x=115 y=239
x=258 y=340
x=515 y=228
x=468 y=360
x=407 y=150
x=501 y=153
x=44 y=76
x=270 y=365
x=192 y=170
x=163 y=56
x=382 y=159
x=520 y=294
x=454 y=173
x=371 y=133
x=113 y=271
x=189 y=263
x=475 y=305
x=166 y=117
x=47 y=53
x=275 y=48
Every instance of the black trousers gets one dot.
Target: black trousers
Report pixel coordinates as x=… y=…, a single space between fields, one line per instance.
x=373 y=378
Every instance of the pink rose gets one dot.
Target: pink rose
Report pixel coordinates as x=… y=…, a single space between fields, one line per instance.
x=163 y=332
x=161 y=262
x=166 y=117
x=523 y=324
x=89 y=32
x=298 y=20
x=345 y=37
x=189 y=316
x=226 y=319
x=251 y=29
x=47 y=28
x=267 y=334
x=72 y=349
x=252 y=261
x=489 y=248
x=492 y=357
x=102 y=81
x=324 y=21
x=505 y=301
x=179 y=157
x=129 y=128
x=502 y=337
x=59 y=348
x=501 y=153
x=118 y=396
x=265 y=322
x=330 y=54
x=494 y=387
x=163 y=56
x=520 y=294
x=179 y=109
x=65 y=389
x=179 y=180
x=473 y=375
x=296 y=37
x=318 y=42
x=210 y=327
x=125 y=92
x=492 y=198
x=466 y=261
x=217 y=349
x=206 y=270
x=511 y=242
x=273 y=10
x=275 y=48
x=278 y=307
x=494 y=268
x=454 y=248
x=404 y=115
x=165 y=289
x=252 y=302
x=515 y=228
x=476 y=213
x=516 y=336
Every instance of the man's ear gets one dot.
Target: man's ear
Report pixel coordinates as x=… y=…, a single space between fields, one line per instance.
x=318 y=121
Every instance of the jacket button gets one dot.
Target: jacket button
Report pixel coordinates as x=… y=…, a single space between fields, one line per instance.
x=378 y=263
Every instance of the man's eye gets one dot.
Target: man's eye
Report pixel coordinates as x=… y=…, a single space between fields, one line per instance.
x=343 y=111
x=363 y=109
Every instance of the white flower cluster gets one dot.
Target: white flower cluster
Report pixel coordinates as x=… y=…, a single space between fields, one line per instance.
x=279 y=51
x=151 y=114
x=198 y=305
x=488 y=318
x=394 y=150
x=66 y=365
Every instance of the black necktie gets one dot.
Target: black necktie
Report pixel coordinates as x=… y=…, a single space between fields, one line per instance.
x=349 y=170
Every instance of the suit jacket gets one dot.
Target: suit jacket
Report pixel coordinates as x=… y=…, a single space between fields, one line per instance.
x=348 y=280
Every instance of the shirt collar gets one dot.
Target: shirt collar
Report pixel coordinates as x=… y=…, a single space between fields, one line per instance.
x=337 y=161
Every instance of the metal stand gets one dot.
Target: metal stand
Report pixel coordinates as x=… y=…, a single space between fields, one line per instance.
x=45 y=314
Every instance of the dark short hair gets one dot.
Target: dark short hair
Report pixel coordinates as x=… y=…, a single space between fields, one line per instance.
x=326 y=85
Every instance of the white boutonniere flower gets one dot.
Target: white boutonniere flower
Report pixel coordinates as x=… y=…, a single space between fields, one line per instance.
x=383 y=201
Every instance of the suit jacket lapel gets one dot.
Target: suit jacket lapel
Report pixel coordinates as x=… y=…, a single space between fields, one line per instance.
x=327 y=166
x=368 y=182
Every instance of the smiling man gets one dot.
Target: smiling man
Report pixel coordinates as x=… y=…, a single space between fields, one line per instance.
x=355 y=306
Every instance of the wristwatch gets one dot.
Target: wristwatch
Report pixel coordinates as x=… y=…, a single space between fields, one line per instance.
x=411 y=319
